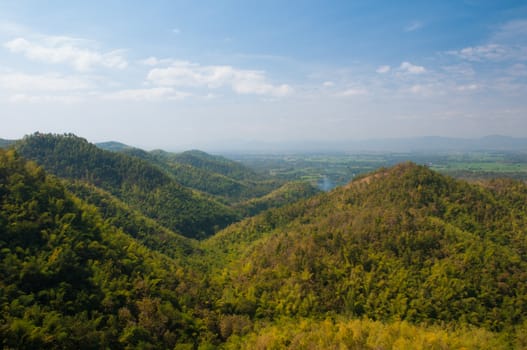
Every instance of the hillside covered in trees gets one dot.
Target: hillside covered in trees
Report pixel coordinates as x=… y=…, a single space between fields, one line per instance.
x=400 y=258
x=70 y=280
x=192 y=193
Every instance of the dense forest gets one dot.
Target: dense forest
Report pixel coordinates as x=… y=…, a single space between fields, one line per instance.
x=178 y=200
x=403 y=257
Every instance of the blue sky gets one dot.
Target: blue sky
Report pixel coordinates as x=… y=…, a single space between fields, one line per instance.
x=209 y=74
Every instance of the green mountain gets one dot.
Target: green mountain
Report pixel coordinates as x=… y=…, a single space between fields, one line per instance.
x=70 y=280
x=216 y=164
x=289 y=193
x=225 y=180
x=220 y=177
x=143 y=186
x=404 y=243
x=400 y=258
x=121 y=216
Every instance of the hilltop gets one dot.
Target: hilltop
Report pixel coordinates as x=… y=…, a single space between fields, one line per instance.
x=403 y=243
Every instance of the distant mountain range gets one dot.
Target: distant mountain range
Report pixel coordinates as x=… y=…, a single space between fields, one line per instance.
x=394 y=145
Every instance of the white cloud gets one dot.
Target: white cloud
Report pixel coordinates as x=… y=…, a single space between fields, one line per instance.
x=468 y=87
x=42 y=82
x=352 y=92
x=411 y=68
x=482 y=52
x=152 y=94
x=513 y=33
x=509 y=42
x=44 y=99
x=413 y=26
x=383 y=69
x=328 y=84
x=66 y=50
x=154 y=61
x=417 y=89
x=183 y=73
x=150 y=61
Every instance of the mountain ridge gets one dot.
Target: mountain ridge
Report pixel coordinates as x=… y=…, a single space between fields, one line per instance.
x=133 y=180
x=385 y=249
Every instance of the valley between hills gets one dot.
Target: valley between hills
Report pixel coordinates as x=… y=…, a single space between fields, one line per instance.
x=112 y=247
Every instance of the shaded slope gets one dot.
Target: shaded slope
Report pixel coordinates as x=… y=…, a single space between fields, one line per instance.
x=216 y=164
x=146 y=230
x=138 y=183
x=216 y=175
x=68 y=280
x=402 y=243
x=289 y=193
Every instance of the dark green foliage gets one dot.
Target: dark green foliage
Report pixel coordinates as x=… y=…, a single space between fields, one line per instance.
x=215 y=164
x=220 y=177
x=138 y=183
x=144 y=229
x=69 y=280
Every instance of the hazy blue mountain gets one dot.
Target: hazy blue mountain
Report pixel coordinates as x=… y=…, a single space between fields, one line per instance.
x=6 y=143
x=395 y=145
x=113 y=146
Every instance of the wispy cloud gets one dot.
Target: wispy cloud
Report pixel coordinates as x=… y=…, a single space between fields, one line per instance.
x=383 y=69
x=483 y=52
x=415 y=25
x=513 y=32
x=468 y=87
x=151 y=95
x=66 y=50
x=352 y=92
x=44 y=99
x=509 y=42
x=14 y=81
x=241 y=81
x=411 y=68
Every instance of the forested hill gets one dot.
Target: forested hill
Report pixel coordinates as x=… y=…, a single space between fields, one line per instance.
x=68 y=280
x=403 y=243
x=223 y=178
x=400 y=258
x=140 y=184
x=216 y=164
x=226 y=180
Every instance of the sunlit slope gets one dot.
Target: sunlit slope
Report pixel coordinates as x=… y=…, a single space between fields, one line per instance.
x=404 y=243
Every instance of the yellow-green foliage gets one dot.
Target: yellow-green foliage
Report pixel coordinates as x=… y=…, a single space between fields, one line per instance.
x=363 y=334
